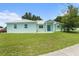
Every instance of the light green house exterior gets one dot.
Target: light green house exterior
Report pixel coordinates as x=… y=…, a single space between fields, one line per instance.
x=29 y=26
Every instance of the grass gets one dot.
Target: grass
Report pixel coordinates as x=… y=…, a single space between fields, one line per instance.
x=35 y=44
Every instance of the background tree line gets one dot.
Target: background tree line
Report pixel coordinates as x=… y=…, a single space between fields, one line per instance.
x=29 y=16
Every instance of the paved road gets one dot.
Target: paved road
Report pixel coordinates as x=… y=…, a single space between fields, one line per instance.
x=69 y=51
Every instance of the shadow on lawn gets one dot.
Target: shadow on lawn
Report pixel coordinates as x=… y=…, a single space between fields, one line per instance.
x=73 y=32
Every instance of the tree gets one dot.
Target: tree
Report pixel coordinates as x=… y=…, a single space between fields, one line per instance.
x=25 y=16
x=70 y=20
x=38 y=17
x=33 y=17
x=29 y=16
x=58 y=19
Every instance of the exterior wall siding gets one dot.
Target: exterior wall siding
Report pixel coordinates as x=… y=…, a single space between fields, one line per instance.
x=41 y=29
x=58 y=27
x=32 y=27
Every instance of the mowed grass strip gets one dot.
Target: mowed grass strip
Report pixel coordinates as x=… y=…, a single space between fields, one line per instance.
x=35 y=44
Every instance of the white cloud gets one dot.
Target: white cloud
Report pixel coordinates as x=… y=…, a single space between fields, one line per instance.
x=6 y=16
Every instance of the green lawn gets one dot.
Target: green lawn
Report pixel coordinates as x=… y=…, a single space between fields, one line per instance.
x=35 y=44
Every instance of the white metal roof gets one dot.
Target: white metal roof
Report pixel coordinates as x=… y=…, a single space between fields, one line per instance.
x=26 y=20
x=20 y=21
x=40 y=22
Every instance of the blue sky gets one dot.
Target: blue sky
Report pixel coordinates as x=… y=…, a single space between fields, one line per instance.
x=45 y=10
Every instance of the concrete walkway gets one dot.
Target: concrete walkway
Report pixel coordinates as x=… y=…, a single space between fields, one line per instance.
x=69 y=51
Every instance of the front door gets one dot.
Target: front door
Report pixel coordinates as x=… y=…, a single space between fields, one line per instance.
x=48 y=28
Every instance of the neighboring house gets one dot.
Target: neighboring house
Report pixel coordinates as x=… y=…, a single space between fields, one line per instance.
x=29 y=26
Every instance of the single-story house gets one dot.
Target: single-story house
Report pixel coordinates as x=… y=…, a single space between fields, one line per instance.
x=29 y=26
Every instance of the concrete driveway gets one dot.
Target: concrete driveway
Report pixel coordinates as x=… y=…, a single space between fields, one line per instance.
x=69 y=51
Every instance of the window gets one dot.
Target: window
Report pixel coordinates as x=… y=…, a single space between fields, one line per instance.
x=25 y=26
x=15 y=26
x=58 y=26
x=40 y=26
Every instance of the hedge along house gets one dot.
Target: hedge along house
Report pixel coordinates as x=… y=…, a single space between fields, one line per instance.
x=29 y=26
